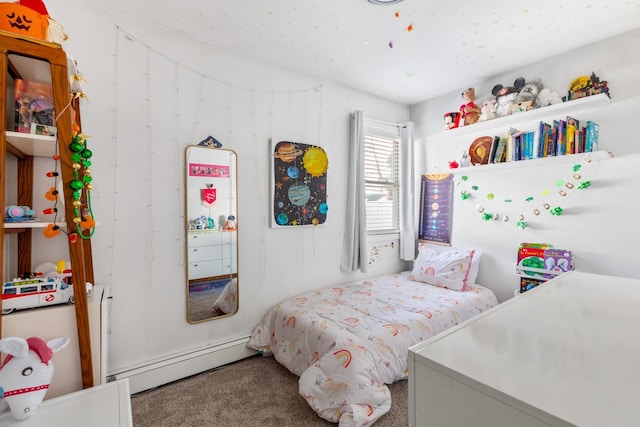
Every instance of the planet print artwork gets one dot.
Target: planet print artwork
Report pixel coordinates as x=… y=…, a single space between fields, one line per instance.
x=299 y=184
x=287 y=152
x=299 y=194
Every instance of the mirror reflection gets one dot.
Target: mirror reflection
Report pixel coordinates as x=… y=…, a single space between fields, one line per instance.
x=212 y=233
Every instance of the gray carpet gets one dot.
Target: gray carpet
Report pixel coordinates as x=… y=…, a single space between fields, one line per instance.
x=257 y=391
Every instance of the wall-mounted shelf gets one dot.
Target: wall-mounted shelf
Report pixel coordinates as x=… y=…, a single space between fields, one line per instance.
x=574 y=106
x=538 y=162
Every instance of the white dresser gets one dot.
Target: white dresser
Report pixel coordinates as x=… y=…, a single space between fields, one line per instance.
x=566 y=353
x=211 y=253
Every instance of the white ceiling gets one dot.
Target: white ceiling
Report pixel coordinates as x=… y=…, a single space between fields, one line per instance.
x=450 y=45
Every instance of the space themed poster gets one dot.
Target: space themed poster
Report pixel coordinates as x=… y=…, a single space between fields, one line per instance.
x=436 y=207
x=299 y=184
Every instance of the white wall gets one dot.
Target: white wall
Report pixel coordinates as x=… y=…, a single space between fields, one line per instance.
x=598 y=224
x=152 y=93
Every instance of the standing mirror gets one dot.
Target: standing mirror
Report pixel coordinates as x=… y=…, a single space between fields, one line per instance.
x=212 y=233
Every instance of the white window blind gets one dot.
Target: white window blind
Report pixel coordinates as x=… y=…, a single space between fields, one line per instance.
x=382 y=182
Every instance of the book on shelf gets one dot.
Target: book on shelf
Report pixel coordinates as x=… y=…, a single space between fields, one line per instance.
x=528 y=283
x=551 y=151
x=591 y=136
x=513 y=146
x=557 y=261
x=501 y=150
x=561 y=148
x=570 y=134
x=492 y=150
x=542 y=261
x=529 y=146
x=544 y=139
x=33 y=105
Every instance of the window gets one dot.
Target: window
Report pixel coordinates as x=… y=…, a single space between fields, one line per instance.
x=382 y=178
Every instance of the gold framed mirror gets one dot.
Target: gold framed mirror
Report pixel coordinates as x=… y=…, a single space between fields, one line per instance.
x=211 y=213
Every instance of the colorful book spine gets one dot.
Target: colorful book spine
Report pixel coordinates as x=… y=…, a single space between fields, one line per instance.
x=501 y=150
x=561 y=148
x=554 y=139
x=572 y=126
x=529 y=146
x=591 y=136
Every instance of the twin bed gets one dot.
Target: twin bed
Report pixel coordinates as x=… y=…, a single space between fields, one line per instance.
x=347 y=342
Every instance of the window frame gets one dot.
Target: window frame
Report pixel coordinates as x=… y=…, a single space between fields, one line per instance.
x=385 y=133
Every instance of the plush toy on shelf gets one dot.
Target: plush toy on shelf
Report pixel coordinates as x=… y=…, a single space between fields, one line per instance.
x=488 y=110
x=547 y=97
x=506 y=96
x=469 y=112
x=26 y=373
x=527 y=96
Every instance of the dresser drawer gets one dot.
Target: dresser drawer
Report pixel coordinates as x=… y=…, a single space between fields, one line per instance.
x=205 y=253
x=206 y=239
x=202 y=269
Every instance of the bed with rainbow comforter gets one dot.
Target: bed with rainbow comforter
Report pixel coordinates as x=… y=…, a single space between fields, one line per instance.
x=347 y=342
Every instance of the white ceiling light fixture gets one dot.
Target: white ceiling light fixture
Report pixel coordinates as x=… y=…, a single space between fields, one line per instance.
x=381 y=2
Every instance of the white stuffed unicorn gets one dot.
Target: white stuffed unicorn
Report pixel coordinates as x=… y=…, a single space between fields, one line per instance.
x=26 y=373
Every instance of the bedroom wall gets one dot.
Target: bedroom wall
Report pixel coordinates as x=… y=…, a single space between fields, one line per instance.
x=151 y=93
x=598 y=224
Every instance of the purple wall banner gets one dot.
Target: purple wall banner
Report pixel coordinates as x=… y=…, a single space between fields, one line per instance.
x=436 y=206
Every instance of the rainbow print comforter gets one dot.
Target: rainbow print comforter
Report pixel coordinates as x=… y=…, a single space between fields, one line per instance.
x=347 y=342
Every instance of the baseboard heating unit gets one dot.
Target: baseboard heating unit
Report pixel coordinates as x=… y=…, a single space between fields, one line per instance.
x=174 y=368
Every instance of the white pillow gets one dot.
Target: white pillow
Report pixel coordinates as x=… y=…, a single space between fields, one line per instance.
x=475 y=262
x=442 y=266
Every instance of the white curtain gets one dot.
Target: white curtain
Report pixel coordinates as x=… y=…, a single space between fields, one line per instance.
x=354 y=250
x=407 y=197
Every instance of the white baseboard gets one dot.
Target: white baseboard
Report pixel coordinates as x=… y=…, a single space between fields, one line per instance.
x=181 y=366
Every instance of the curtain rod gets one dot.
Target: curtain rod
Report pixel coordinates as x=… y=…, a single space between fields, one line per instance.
x=385 y=123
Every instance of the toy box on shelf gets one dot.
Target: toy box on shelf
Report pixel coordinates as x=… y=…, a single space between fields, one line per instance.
x=539 y=262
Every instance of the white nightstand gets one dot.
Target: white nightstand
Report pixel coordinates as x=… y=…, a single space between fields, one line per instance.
x=106 y=405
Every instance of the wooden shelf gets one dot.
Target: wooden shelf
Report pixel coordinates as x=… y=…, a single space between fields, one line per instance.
x=46 y=63
x=574 y=106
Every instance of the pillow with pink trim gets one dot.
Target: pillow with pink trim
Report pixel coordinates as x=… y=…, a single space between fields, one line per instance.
x=445 y=268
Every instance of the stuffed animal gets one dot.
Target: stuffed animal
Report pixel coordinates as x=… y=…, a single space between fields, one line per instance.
x=26 y=373
x=547 y=97
x=529 y=92
x=506 y=96
x=488 y=110
x=469 y=112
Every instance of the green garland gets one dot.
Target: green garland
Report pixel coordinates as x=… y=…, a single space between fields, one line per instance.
x=563 y=185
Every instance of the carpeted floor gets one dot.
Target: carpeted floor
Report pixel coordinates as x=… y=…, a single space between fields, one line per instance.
x=257 y=391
